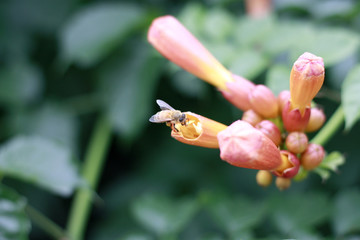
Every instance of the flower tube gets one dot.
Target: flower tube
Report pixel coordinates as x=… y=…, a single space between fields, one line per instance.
x=198 y=130
x=178 y=45
x=237 y=92
x=244 y=146
x=263 y=101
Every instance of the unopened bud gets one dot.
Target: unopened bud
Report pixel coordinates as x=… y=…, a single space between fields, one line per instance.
x=317 y=119
x=270 y=130
x=282 y=183
x=264 y=102
x=251 y=117
x=263 y=178
x=242 y=145
x=296 y=142
x=283 y=98
x=312 y=156
x=293 y=119
x=289 y=167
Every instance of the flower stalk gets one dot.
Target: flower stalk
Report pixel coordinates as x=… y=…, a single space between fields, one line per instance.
x=94 y=161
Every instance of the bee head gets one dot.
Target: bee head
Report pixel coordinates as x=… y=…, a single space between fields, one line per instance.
x=182 y=118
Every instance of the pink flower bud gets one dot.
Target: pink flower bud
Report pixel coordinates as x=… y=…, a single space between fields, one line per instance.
x=283 y=98
x=317 y=119
x=264 y=102
x=263 y=178
x=251 y=117
x=242 y=145
x=236 y=92
x=177 y=44
x=289 y=167
x=306 y=79
x=270 y=130
x=282 y=183
x=312 y=156
x=258 y=8
x=296 y=142
x=293 y=120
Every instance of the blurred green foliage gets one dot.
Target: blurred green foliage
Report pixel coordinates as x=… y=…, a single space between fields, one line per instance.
x=63 y=63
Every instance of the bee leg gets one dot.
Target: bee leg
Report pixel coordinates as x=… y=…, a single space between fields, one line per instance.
x=175 y=129
x=172 y=125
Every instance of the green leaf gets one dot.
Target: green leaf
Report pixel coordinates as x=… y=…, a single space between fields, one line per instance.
x=330 y=164
x=346 y=216
x=127 y=90
x=96 y=30
x=235 y=215
x=301 y=175
x=351 y=98
x=14 y=223
x=40 y=161
x=188 y=84
x=299 y=212
x=136 y=236
x=332 y=161
x=249 y=64
x=192 y=17
x=251 y=32
x=332 y=8
x=20 y=84
x=42 y=120
x=278 y=78
x=323 y=173
x=163 y=215
x=218 y=24
x=333 y=45
x=32 y=14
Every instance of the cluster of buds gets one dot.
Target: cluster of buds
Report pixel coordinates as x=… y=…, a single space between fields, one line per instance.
x=271 y=136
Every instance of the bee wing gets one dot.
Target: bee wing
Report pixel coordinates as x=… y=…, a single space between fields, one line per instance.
x=154 y=119
x=163 y=105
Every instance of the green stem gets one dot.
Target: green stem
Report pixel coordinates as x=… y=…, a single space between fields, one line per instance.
x=92 y=168
x=45 y=223
x=330 y=128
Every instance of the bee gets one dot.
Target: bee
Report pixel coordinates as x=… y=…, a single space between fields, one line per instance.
x=169 y=115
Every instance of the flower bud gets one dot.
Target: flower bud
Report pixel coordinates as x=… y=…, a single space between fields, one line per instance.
x=263 y=178
x=242 y=145
x=282 y=183
x=237 y=92
x=283 y=98
x=258 y=8
x=312 y=156
x=306 y=79
x=317 y=119
x=296 y=142
x=270 y=130
x=251 y=117
x=289 y=167
x=293 y=120
x=263 y=102
x=177 y=44
x=198 y=130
